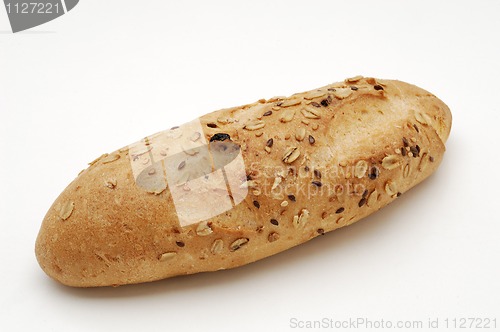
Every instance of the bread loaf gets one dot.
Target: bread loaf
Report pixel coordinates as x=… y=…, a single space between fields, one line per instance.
x=243 y=183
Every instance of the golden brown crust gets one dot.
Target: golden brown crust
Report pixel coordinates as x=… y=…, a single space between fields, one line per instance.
x=315 y=162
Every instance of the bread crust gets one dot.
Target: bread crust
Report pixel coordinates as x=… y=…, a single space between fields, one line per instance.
x=361 y=143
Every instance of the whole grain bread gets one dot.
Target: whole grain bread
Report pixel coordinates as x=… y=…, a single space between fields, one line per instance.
x=243 y=183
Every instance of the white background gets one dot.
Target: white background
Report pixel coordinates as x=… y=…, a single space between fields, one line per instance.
x=111 y=72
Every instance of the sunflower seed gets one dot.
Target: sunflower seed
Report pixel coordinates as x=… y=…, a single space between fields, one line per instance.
x=238 y=243
x=196 y=136
x=167 y=256
x=277 y=181
x=300 y=219
x=284 y=204
x=287 y=115
x=422 y=118
x=342 y=93
x=111 y=183
x=390 y=188
x=226 y=120
x=66 y=210
x=217 y=246
x=110 y=158
x=314 y=95
x=291 y=154
x=276 y=98
x=300 y=134
x=249 y=184
x=290 y=102
x=98 y=158
x=190 y=152
x=423 y=163
x=353 y=79
x=360 y=169
x=405 y=142
x=372 y=199
x=204 y=228
x=390 y=162
x=415 y=151
x=310 y=113
x=317 y=184
x=406 y=171
x=255 y=125
x=220 y=137
x=273 y=236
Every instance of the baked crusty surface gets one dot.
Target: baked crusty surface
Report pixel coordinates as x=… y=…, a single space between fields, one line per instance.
x=314 y=162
